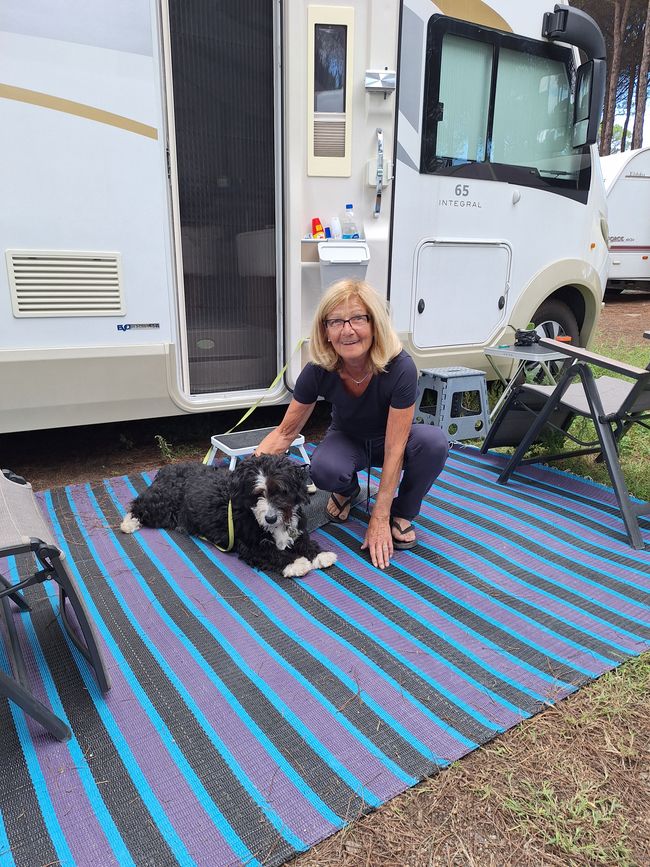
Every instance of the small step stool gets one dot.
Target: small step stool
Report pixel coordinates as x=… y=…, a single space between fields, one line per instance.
x=238 y=444
x=455 y=399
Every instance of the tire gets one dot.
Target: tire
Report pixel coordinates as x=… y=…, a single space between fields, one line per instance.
x=552 y=319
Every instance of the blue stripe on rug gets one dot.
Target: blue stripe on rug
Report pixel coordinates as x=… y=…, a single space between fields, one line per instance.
x=5 y=849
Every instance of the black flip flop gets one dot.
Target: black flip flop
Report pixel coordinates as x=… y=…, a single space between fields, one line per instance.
x=403 y=546
x=340 y=506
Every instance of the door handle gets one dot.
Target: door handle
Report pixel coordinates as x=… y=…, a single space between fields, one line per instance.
x=421 y=305
x=379 y=178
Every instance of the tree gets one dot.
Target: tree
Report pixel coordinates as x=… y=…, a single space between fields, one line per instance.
x=621 y=12
x=626 y=27
x=620 y=139
x=642 y=87
x=628 y=107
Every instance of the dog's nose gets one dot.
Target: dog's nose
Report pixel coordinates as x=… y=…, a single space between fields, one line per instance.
x=271 y=519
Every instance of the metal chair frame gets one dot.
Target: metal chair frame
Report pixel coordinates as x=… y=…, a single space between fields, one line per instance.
x=52 y=567
x=628 y=403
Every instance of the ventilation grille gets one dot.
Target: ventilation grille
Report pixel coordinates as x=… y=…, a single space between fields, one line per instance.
x=65 y=284
x=329 y=135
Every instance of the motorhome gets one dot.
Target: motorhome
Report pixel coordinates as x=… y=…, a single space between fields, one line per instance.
x=162 y=161
x=627 y=185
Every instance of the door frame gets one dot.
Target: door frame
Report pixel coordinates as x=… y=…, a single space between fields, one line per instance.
x=177 y=278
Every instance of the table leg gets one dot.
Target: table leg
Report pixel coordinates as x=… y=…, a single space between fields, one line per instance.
x=509 y=385
x=547 y=372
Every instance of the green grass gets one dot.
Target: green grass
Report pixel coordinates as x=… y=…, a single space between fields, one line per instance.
x=566 y=782
x=573 y=823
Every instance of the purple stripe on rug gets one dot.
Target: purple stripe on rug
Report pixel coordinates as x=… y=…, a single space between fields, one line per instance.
x=549 y=508
x=434 y=672
x=605 y=545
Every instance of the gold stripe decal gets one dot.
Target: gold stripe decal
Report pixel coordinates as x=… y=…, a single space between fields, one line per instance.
x=56 y=103
x=475 y=11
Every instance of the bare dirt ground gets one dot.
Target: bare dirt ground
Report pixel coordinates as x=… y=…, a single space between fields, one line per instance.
x=626 y=316
x=569 y=787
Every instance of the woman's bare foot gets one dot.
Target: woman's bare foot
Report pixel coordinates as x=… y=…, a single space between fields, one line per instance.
x=338 y=506
x=403 y=533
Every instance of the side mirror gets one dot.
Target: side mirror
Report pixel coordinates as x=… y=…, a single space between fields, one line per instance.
x=589 y=94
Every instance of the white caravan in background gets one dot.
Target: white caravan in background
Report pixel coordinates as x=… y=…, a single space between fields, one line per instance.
x=161 y=162
x=627 y=184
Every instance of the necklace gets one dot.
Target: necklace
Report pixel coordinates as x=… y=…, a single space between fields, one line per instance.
x=359 y=381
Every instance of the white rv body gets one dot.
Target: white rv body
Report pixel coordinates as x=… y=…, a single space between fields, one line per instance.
x=627 y=185
x=162 y=162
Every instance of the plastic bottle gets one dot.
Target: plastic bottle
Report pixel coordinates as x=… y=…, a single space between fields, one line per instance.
x=348 y=223
x=335 y=227
x=317 y=228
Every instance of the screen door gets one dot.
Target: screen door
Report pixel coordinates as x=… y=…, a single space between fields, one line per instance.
x=223 y=71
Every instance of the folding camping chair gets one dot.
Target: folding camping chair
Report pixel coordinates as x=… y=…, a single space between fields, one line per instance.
x=612 y=404
x=23 y=530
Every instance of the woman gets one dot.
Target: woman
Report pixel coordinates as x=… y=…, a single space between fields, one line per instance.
x=358 y=364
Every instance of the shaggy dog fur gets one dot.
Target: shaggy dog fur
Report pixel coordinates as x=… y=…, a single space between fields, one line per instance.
x=267 y=494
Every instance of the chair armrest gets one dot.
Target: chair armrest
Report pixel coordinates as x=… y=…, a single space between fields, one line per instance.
x=581 y=354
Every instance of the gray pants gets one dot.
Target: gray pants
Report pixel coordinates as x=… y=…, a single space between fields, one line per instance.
x=337 y=459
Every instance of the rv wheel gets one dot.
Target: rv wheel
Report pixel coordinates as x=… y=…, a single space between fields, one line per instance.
x=552 y=319
x=555 y=319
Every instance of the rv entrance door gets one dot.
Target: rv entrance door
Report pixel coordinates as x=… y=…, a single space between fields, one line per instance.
x=223 y=163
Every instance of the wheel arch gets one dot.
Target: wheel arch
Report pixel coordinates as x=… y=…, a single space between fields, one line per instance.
x=574 y=283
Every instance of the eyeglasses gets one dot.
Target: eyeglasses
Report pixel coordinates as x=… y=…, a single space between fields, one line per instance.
x=354 y=322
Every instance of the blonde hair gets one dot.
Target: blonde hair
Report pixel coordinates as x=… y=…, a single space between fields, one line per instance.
x=385 y=344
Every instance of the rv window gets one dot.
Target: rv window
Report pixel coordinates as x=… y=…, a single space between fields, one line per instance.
x=465 y=75
x=533 y=116
x=329 y=67
x=583 y=103
x=500 y=107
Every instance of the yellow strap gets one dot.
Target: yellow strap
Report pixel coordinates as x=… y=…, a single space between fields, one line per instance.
x=231 y=531
x=260 y=399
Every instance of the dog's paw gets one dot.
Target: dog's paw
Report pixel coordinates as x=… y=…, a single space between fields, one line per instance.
x=323 y=560
x=129 y=524
x=298 y=568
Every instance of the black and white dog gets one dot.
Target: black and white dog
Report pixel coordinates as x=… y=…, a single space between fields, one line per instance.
x=267 y=495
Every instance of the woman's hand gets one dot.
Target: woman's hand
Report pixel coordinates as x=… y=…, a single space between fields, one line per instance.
x=379 y=541
x=281 y=437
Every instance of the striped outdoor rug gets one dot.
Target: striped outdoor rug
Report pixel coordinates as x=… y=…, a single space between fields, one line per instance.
x=252 y=716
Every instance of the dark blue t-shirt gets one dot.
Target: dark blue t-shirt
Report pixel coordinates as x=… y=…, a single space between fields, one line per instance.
x=363 y=417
